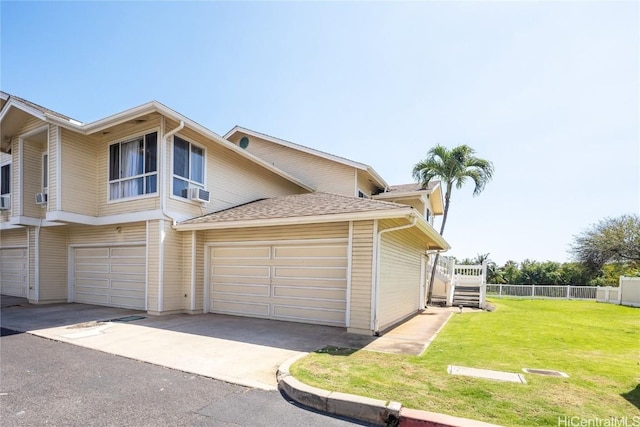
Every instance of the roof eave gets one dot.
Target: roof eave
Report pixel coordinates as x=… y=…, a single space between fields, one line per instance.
x=426 y=228
x=311 y=219
x=404 y=194
x=23 y=107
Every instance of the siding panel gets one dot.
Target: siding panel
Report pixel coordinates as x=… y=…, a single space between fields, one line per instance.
x=322 y=174
x=173 y=291
x=78 y=173
x=231 y=179
x=53 y=264
x=400 y=261
x=361 y=276
x=32 y=176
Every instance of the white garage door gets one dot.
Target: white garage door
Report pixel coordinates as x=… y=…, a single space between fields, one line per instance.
x=14 y=272
x=113 y=276
x=302 y=282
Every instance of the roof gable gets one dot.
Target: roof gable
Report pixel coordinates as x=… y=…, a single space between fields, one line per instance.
x=309 y=150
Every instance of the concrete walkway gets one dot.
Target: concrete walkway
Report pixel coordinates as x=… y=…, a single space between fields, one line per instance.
x=238 y=350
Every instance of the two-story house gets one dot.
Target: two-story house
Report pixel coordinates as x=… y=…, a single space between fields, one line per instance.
x=147 y=209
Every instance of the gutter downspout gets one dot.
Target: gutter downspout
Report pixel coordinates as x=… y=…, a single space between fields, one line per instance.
x=376 y=286
x=165 y=141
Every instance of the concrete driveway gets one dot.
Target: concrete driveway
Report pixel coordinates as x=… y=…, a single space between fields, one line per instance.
x=239 y=350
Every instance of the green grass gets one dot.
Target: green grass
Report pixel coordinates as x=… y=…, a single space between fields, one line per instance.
x=597 y=345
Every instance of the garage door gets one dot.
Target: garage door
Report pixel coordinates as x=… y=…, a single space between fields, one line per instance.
x=113 y=276
x=304 y=282
x=14 y=272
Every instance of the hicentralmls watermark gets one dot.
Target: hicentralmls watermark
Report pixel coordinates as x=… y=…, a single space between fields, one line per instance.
x=566 y=421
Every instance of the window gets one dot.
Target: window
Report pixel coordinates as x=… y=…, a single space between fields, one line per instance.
x=188 y=167
x=133 y=167
x=45 y=172
x=428 y=215
x=5 y=179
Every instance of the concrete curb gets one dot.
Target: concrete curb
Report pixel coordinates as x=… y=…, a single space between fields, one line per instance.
x=361 y=408
x=374 y=411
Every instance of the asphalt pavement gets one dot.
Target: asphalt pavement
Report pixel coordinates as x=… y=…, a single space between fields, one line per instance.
x=45 y=382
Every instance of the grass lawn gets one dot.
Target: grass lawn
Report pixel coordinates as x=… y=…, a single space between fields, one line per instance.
x=596 y=344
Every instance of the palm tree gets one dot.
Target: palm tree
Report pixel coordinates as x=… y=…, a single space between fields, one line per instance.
x=454 y=168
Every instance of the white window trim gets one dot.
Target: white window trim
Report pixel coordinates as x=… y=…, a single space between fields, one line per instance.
x=159 y=166
x=190 y=182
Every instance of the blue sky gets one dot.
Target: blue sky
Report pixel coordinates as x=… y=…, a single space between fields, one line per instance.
x=548 y=91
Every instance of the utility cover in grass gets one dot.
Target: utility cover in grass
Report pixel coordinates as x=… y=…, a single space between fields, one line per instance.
x=486 y=373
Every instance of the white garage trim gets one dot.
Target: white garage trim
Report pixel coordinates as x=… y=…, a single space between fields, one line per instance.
x=72 y=263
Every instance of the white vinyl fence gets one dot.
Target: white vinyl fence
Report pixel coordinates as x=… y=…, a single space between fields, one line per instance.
x=543 y=291
x=627 y=292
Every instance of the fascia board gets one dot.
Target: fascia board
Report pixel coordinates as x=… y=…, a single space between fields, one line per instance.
x=119 y=118
x=295 y=146
x=20 y=106
x=405 y=194
x=314 y=219
x=432 y=234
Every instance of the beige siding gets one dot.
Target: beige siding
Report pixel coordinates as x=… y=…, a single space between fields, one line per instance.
x=230 y=178
x=78 y=173
x=200 y=266
x=173 y=290
x=399 y=277
x=106 y=234
x=14 y=237
x=193 y=252
x=153 y=263
x=32 y=176
x=53 y=264
x=30 y=124
x=54 y=134
x=361 y=276
x=123 y=133
x=322 y=174
x=292 y=232
x=365 y=183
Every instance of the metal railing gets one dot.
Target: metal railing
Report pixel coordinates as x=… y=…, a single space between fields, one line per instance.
x=543 y=291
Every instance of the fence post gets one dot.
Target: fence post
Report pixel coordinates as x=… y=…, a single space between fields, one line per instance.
x=500 y=289
x=533 y=290
x=568 y=291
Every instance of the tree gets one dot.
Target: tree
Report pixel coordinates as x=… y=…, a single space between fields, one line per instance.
x=454 y=168
x=614 y=240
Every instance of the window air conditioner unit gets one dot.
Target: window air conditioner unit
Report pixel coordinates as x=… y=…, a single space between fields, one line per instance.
x=199 y=195
x=5 y=203
x=41 y=198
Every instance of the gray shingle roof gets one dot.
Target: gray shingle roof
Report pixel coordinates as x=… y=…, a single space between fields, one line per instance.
x=299 y=205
